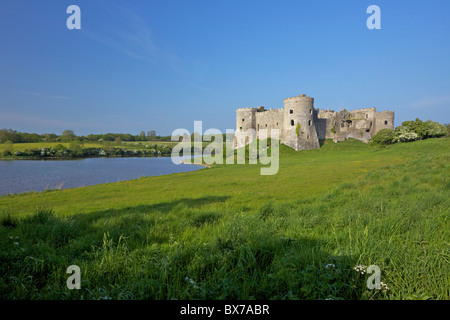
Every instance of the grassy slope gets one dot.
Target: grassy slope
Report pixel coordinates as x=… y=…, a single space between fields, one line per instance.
x=237 y=234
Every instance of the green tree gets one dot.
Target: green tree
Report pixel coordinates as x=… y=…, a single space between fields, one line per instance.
x=9 y=148
x=68 y=135
x=76 y=147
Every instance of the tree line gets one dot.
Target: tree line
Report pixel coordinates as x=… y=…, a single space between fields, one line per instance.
x=69 y=135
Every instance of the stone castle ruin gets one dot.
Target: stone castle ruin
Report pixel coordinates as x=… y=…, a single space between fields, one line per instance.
x=301 y=126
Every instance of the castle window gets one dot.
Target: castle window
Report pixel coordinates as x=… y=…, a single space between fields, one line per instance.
x=291 y=111
x=240 y=128
x=243 y=120
x=292 y=122
x=310 y=111
x=307 y=137
x=367 y=116
x=385 y=122
x=258 y=126
x=310 y=122
x=277 y=123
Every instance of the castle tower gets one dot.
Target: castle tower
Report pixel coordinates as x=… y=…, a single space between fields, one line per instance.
x=245 y=120
x=299 y=130
x=384 y=120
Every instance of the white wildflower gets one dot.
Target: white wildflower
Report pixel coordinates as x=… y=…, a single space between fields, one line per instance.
x=330 y=265
x=360 y=269
x=384 y=286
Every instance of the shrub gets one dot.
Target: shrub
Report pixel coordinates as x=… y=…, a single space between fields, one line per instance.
x=408 y=136
x=384 y=137
x=418 y=127
x=418 y=130
x=435 y=129
x=404 y=134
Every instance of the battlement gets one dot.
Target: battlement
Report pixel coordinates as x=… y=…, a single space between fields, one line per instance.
x=299 y=97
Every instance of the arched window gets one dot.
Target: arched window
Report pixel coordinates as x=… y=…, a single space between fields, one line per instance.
x=292 y=122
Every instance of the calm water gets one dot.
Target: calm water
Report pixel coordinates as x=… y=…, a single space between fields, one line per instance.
x=18 y=176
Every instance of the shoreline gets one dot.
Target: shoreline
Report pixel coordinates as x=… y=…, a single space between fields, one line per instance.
x=197 y=164
x=81 y=158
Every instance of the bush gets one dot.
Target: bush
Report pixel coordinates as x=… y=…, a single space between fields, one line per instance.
x=384 y=137
x=419 y=130
x=404 y=134
x=418 y=127
x=435 y=129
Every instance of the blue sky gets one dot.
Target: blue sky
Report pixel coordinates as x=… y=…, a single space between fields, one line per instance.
x=160 y=65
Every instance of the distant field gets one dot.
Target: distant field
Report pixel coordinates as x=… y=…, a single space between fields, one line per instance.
x=38 y=145
x=125 y=145
x=229 y=233
x=162 y=143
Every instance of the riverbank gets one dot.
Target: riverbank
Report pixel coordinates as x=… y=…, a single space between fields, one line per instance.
x=197 y=164
x=83 y=157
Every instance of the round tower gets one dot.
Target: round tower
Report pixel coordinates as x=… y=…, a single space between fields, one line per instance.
x=299 y=127
x=245 y=120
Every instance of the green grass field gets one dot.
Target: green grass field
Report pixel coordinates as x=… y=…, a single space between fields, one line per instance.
x=38 y=145
x=229 y=233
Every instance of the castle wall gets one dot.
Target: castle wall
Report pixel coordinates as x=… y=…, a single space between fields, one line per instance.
x=321 y=128
x=269 y=119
